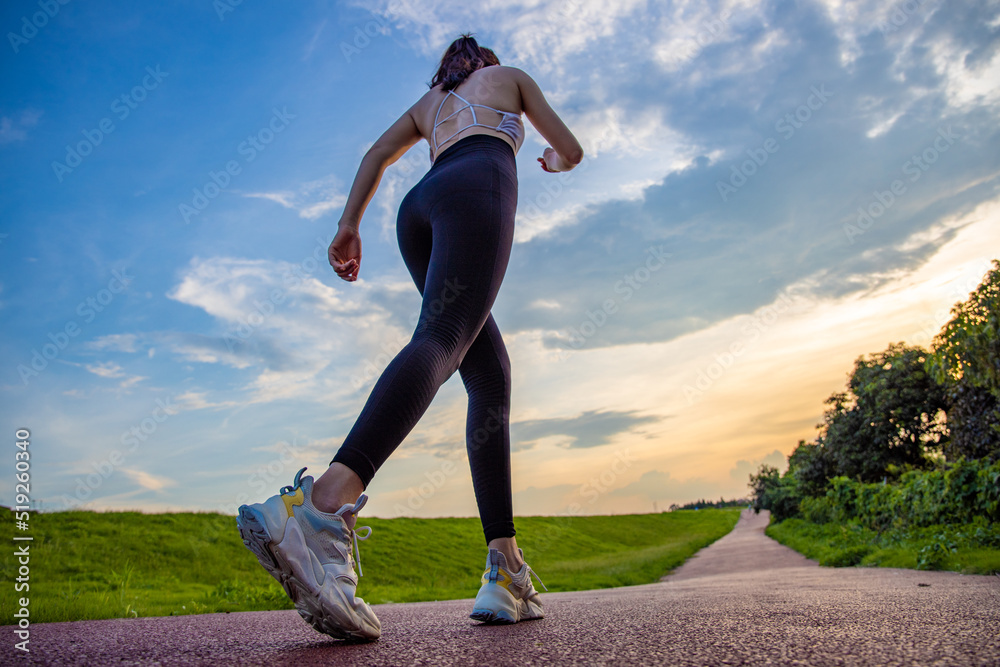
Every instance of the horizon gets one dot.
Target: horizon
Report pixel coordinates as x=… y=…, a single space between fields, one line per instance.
x=122 y=510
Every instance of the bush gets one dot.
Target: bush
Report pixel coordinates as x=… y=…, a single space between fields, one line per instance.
x=955 y=495
x=817 y=510
x=848 y=557
x=973 y=548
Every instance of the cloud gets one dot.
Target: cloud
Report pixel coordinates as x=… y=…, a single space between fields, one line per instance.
x=312 y=200
x=311 y=46
x=147 y=480
x=548 y=35
x=110 y=369
x=130 y=381
x=106 y=370
x=115 y=342
x=289 y=330
x=15 y=129
x=742 y=470
x=591 y=428
x=283 y=198
x=195 y=400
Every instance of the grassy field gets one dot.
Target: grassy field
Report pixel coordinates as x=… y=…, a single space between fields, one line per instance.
x=89 y=565
x=970 y=549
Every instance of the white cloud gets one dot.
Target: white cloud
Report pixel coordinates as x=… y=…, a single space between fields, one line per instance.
x=147 y=480
x=106 y=370
x=15 y=128
x=115 y=342
x=624 y=153
x=312 y=200
x=111 y=370
x=311 y=46
x=534 y=221
x=548 y=304
x=967 y=87
x=130 y=381
x=293 y=343
x=195 y=400
x=697 y=26
x=544 y=34
x=283 y=198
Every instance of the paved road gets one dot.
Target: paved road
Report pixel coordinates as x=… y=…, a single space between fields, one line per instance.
x=745 y=600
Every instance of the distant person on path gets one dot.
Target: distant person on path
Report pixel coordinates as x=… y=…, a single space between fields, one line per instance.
x=455 y=230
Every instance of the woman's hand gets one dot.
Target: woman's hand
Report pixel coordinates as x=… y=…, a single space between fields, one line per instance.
x=345 y=253
x=549 y=156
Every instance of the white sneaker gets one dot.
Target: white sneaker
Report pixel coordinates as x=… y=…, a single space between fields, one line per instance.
x=309 y=553
x=507 y=597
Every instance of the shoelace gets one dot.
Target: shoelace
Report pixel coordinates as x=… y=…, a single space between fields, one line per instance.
x=354 y=509
x=357 y=553
x=532 y=572
x=296 y=483
x=362 y=499
x=529 y=573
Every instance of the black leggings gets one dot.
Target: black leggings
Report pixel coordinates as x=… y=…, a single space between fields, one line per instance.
x=455 y=230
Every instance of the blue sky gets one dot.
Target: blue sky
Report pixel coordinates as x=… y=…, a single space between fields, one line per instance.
x=769 y=191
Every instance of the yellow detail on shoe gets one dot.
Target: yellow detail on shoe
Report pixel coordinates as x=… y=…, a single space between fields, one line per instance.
x=293 y=499
x=503 y=579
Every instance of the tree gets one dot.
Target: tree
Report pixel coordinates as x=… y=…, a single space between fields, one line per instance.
x=968 y=347
x=892 y=415
x=973 y=423
x=773 y=492
x=966 y=360
x=811 y=467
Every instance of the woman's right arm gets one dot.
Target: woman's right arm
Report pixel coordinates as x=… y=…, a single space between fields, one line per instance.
x=566 y=151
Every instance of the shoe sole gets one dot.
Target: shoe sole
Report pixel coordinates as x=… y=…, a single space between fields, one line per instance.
x=255 y=536
x=491 y=617
x=496 y=606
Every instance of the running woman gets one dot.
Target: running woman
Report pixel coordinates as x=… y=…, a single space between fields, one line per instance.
x=455 y=229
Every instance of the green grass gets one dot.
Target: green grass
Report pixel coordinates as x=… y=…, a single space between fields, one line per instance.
x=971 y=548
x=90 y=565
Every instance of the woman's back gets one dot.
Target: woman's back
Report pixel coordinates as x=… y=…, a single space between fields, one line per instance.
x=487 y=89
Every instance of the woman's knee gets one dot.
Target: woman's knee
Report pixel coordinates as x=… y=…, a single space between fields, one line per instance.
x=441 y=345
x=485 y=377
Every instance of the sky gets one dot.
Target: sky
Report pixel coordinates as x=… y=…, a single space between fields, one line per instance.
x=769 y=191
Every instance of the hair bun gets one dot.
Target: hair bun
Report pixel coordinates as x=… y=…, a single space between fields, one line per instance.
x=462 y=57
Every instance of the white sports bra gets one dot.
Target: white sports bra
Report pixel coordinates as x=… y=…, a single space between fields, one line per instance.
x=510 y=125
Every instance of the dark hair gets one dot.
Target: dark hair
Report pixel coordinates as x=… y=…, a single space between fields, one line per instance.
x=461 y=59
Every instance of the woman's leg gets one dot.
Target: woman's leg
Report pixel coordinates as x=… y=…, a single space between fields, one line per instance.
x=485 y=371
x=455 y=236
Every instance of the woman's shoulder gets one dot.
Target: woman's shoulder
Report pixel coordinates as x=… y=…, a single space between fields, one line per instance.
x=483 y=82
x=506 y=71
x=494 y=80
x=509 y=69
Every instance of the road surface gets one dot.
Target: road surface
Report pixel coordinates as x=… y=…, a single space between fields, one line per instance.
x=745 y=600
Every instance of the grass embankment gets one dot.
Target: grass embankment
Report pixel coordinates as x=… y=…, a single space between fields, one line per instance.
x=89 y=565
x=970 y=548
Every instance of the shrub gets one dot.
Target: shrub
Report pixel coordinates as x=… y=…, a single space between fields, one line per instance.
x=957 y=494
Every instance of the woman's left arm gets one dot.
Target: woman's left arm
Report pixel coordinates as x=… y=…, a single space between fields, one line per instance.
x=386 y=150
x=345 y=250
